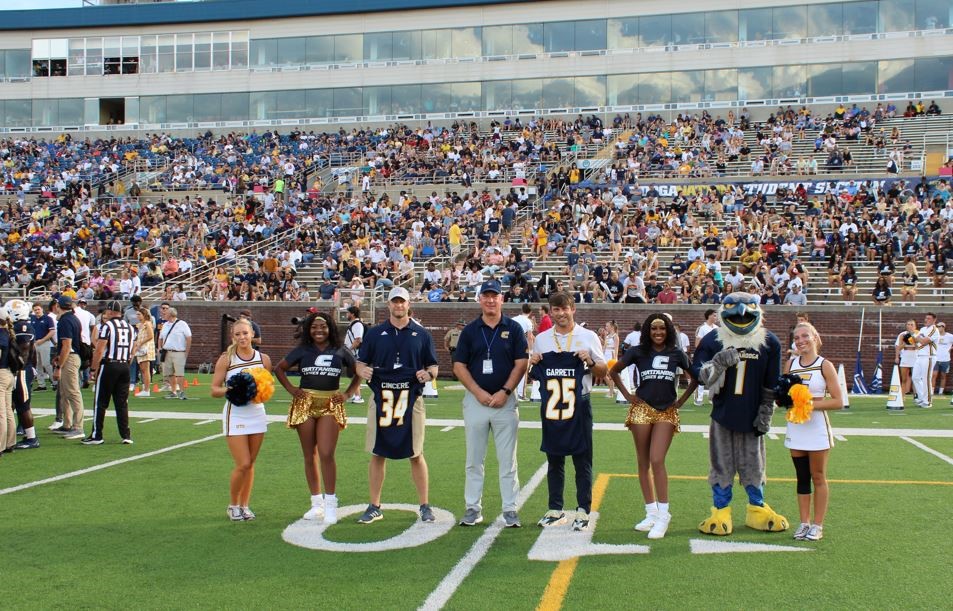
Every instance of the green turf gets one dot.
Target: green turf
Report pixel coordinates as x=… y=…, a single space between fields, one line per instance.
x=152 y=533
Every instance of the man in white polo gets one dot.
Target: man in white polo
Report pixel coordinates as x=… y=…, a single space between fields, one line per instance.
x=175 y=342
x=926 y=353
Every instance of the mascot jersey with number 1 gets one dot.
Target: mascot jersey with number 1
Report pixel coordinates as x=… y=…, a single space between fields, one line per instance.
x=740 y=365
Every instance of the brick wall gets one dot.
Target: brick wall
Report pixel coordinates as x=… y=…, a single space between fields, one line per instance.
x=839 y=326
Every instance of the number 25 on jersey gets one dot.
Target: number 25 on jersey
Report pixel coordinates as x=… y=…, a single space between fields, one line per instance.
x=562 y=398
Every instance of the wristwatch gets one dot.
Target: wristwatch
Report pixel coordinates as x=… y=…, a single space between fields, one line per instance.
x=507 y=391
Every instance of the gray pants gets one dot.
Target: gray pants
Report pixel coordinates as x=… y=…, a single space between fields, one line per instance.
x=478 y=421
x=732 y=452
x=44 y=369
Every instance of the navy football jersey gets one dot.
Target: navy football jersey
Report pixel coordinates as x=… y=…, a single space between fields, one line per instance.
x=736 y=404
x=395 y=393
x=564 y=409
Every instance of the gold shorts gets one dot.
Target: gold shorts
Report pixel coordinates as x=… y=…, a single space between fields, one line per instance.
x=319 y=403
x=643 y=413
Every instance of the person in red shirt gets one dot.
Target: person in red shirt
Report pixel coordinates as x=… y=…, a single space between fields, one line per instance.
x=667 y=295
x=545 y=322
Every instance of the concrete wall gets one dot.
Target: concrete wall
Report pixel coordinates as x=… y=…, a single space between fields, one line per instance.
x=839 y=327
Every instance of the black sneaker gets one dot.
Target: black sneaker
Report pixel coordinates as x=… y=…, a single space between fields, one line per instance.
x=62 y=430
x=426 y=514
x=92 y=441
x=28 y=444
x=371 y=514
x=39 y=388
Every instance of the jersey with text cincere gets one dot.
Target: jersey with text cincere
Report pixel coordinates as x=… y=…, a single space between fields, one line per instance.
x=736 y=404
x=321 y=370
x=395 y=392
x=656 y=374
x=565 y=410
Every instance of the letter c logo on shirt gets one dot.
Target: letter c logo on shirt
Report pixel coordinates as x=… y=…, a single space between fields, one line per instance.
x=323 y=360
x=660 y=362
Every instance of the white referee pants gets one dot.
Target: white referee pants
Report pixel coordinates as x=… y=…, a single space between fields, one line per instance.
x=478 y=421
x=922 y=370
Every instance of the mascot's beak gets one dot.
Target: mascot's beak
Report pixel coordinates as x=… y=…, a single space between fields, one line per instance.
x=741 y=318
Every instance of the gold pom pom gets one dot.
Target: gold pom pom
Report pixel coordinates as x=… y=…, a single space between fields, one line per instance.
x=803 y=404
x=265 y=384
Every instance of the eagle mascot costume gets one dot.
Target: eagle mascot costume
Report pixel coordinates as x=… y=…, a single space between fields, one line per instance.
x=740 y=364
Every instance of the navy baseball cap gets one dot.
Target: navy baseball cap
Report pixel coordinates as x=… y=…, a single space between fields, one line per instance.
x=491 y=286
x=65 y=301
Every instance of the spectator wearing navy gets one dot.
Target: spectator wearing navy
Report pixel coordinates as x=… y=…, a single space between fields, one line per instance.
x=110 y=372
x=395 y=348
x=66 y=371
x=44 y=332
x=490 y=360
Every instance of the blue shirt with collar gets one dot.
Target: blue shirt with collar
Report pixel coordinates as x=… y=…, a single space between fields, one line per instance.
x=69 y=327
x=506 y=344
x=384 y=345
x=41 y=325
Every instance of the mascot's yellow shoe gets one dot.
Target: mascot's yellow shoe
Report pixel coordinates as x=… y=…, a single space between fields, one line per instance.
x=765 y=518
x=719 y=523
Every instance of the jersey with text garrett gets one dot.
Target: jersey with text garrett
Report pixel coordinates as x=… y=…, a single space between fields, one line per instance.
x=565 y=410
x=395 y=393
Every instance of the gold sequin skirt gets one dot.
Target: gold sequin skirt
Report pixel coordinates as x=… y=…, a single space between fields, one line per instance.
x=643 y=413
x=318 y=403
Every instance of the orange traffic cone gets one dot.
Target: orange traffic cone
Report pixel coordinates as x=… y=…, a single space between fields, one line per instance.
x=138 y=388
x=155 y=388
x=195 y=381
x=185 y=383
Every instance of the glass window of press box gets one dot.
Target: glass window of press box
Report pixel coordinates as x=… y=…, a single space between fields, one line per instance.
x=729 y=84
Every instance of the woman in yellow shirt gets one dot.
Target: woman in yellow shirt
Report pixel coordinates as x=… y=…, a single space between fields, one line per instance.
x=542 y=239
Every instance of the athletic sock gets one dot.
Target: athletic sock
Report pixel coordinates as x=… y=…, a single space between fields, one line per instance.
x=650 y=508
x=316 y=499
x=30 y=433
x=662 y=507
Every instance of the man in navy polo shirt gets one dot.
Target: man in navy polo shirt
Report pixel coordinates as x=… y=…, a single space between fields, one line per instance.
x=396 y=358
x=490 y=360
x=66 y=373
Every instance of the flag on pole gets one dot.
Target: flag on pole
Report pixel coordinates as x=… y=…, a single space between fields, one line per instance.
x=877 y=383
x=860 y=384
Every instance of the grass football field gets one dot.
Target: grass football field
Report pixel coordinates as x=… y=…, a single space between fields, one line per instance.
x=144 y=526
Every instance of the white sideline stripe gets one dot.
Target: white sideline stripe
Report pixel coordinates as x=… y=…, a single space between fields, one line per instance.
x=446 y=588
x=840 y=438
x=147 y=420
x=206 y=422
x=447 y=429
x=773 y=436
x=535 y=424
x=929 y=450
x=106 y=465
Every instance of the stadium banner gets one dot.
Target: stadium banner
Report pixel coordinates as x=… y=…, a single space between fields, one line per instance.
x=813 y=187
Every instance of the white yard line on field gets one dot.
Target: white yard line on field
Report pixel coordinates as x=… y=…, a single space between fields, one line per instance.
x=112 y=463
x=446 y=588
x=147 y=420
x=929 y=450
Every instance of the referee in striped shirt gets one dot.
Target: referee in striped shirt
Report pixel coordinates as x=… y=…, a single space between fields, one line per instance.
x=110 y=372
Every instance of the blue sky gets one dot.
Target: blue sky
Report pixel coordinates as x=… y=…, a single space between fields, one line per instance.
x=11 y=5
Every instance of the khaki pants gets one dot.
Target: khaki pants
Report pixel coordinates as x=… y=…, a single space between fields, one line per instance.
x=8 y=423
x=71 y=398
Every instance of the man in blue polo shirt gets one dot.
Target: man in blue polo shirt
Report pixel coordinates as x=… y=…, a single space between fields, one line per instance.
x=396 y=358
x=66 y=372
x=490 y=360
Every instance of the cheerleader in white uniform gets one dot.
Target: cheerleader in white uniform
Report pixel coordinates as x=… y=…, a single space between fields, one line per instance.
x=811 y=441
x=244 y=425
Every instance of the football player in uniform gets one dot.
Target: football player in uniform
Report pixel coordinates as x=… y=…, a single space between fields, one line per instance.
x=19 y=312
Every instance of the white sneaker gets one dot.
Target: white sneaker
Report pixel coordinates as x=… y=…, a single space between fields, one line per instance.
x=661 y=525
x=144 y=393
x=315 y=513
x=801 y=531
x=647 y=524
x=816 y=533
x=132 y=388
x=56 y=425
x=357 y=399
x=235 y=513
x=330 y=509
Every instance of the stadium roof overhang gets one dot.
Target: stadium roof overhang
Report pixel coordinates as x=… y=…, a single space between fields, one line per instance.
x=212 y=10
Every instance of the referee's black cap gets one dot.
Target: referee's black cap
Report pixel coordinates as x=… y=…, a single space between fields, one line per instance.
x=114 y=306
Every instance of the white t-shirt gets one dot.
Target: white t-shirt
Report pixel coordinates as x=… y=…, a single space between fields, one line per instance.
x=524 y=321
x=86 y=321
x=943 y=344
x=634 y=338
x=580 y=338
x=355 y=331
x=703 y=330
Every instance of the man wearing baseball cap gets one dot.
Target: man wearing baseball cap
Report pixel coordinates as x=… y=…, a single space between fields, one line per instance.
x=110 y=373
x=490 y=360
x=66 y=368
x=397 y=358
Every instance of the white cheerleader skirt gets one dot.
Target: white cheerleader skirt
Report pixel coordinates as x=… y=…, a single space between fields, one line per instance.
x=811 y=436
x=244 y=419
